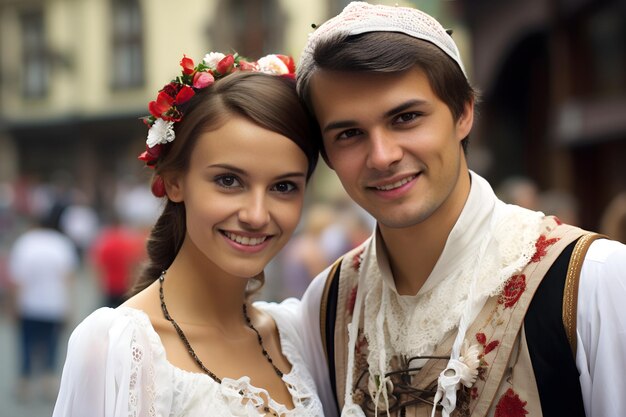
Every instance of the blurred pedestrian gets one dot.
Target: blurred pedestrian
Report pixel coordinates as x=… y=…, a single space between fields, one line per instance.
x=519 y=190
x=561 y=204
x=80 y=222
x=116 y=254
x=42 y=263
x=613 y=221
x=305 y=255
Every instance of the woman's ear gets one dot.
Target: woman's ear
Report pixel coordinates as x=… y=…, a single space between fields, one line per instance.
x=174 y=187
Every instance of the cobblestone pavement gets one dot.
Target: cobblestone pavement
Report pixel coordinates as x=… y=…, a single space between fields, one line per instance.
x=85 y=300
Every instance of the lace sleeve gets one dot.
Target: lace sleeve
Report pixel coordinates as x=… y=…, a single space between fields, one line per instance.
x=288 y=318
x=112 y=368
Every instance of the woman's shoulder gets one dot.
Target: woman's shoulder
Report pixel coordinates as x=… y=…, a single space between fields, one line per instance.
x=110 y=331
x=106 y=319
x=285 y=319
x=284 y=315
x=114 y=345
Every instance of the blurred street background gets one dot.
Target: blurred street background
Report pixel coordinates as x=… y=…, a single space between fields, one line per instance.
x=76 y=76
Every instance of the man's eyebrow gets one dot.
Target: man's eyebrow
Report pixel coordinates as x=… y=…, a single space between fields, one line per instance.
x=343 y=124
x=403 y=106
x=340 y=124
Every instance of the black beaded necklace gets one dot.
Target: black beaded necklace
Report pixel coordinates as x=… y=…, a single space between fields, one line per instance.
x=188 y=345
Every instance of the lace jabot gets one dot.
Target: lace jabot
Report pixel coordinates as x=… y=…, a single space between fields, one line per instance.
x=488 y=244
x=139 y=381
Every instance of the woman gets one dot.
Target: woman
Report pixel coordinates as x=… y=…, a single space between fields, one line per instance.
x=232 y=152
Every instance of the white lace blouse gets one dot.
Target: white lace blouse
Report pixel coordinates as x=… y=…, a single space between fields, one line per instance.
x=116 y=367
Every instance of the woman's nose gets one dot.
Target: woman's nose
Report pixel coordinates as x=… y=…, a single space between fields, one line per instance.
x=255 y=212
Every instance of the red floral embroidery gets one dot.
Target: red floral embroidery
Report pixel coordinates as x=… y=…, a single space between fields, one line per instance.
x=510 y=405
x=352 y=300
x=557 y=221
x=540 y=247
x=482 y=369
x=491 y=346
x=474 y=393
x=512 y=291
x=482 y=339
x=356 y=260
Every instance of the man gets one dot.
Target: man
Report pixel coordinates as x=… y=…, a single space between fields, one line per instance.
x=457 y=299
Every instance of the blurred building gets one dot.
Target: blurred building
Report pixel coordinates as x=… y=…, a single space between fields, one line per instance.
x=552 y=75
x=76 y=75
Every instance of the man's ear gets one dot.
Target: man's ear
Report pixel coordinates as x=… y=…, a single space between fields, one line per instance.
x=173 y=187
x=466 y=120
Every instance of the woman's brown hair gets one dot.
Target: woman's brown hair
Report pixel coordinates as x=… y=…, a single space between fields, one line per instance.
x=267 y=100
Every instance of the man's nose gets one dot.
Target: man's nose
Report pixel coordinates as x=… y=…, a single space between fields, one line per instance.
x=384 y=150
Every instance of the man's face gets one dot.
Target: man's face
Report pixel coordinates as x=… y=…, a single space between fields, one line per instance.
x=393 y=143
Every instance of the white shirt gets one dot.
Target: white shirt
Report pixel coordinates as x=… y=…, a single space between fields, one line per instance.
x=601 y=328
x=40 y=263
x=117 y=367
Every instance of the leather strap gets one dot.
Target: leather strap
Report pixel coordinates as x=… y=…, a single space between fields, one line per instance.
x=332 y=275
x=570 y=292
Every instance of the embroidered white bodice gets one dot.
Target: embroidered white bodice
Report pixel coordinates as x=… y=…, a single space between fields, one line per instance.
x=116 y=367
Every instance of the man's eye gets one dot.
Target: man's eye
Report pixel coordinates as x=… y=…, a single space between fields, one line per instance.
x=346 y=134
x=227 y=181
x=407 y=117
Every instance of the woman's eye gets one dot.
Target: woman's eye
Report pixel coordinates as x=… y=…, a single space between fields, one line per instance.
x=285 y=187
x=227 y=181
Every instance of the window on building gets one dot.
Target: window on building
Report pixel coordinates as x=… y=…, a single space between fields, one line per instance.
x=127 y=56
x=251 y=27
x=36 y=68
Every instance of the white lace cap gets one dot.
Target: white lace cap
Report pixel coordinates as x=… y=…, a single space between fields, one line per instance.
x=360 y=17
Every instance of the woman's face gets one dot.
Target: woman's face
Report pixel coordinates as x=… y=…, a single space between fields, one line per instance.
x=243 y=195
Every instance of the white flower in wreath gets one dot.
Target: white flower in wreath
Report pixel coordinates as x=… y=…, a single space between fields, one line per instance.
x=213 y=58
x=160 y=132
x=273 y=65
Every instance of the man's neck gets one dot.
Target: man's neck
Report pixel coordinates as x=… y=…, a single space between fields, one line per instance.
x=414 y=251
x=411 y=256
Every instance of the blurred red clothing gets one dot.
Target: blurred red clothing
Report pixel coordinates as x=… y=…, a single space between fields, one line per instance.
x=117 y=253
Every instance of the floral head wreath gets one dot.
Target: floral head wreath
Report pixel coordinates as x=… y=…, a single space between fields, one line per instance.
x=165 y=111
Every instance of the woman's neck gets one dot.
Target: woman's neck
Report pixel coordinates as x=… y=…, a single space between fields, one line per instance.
x=196 y=291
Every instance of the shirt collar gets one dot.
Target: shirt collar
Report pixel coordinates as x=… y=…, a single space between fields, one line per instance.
x=462 y=243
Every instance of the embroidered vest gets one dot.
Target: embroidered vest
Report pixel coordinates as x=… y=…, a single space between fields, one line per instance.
x=507 y=385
